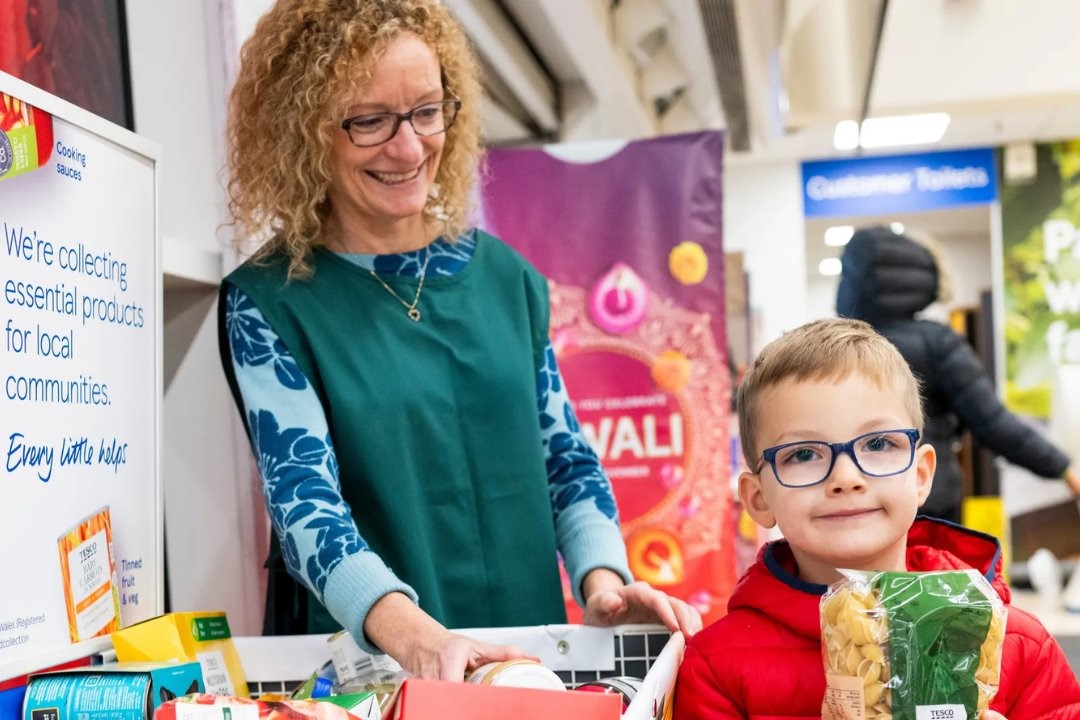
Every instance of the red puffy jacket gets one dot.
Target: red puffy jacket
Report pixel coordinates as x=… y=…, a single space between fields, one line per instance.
x=763 y=659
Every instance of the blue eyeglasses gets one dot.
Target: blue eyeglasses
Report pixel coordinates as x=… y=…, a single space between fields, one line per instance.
x=878 y=454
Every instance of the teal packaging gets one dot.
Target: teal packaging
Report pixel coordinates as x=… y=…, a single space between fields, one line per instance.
x=119 y=691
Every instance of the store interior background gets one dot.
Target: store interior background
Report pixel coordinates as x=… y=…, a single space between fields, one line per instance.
x=775 y=74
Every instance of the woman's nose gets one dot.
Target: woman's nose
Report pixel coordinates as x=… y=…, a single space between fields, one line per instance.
x=845 y=476
x=406 y=144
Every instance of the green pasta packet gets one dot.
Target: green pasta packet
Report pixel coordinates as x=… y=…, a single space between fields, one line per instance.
x=911 y=645
x=937 y=624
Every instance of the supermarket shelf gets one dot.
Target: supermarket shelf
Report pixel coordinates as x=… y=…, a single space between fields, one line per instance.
x=187 y=267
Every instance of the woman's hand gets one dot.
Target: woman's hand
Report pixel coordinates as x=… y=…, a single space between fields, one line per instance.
x=991 y=715
x=609 y=602
x=452 y=655
x=423 y=647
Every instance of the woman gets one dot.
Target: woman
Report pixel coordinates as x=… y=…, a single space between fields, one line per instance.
x=887 y=278
x=419 y=456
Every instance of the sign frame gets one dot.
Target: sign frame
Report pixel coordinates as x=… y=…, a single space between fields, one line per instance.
x=150 y=152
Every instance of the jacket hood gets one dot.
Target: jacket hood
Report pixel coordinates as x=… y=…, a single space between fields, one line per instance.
x=772 y=586
x=885 y=276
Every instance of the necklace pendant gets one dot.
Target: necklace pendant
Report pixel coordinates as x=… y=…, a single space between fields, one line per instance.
x=413 y=314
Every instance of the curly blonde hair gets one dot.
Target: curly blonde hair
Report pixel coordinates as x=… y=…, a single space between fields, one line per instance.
x=297 y=72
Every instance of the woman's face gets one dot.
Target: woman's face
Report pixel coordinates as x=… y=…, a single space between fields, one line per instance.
x=382 y=185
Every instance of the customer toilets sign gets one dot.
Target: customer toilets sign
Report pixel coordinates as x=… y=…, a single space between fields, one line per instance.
x=898 y=183
x=80 y=368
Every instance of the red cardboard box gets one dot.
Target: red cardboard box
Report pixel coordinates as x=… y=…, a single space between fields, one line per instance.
x=441 y=700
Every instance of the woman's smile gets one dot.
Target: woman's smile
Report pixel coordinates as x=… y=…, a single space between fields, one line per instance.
x=387 y=178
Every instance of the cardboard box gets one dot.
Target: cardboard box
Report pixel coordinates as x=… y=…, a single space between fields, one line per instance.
x=656 y=696
x=363 y=706
x=219 y=707
x=428 y=699
x=187 y=636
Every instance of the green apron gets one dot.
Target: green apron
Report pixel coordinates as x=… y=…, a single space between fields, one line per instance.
x=434 y=424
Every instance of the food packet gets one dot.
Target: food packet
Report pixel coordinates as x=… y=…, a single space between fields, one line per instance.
x=26 y=136
x=200 y=706
x=910 y=645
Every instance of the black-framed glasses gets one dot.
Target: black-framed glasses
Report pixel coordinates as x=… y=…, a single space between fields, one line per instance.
x=878 y=454
x=377 y=128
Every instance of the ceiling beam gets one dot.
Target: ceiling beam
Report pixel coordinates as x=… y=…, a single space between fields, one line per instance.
x=500 y=127
x=598 y=83
x=495 y=37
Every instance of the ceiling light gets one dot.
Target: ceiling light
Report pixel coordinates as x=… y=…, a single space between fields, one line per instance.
x=903 y=130
x=838 y=235
x=897 y=227
x=830 y=266
x=923 y=129
x=846 y=136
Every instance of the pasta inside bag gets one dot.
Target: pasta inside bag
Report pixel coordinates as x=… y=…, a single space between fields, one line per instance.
x=910 y=645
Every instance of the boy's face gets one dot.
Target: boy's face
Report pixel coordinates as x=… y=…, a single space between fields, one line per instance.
x=851 y=520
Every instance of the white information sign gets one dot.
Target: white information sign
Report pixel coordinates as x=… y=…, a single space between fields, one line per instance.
x=80 y=388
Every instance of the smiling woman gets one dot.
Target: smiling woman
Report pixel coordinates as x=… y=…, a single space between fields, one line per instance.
x=382 y=167
x=421 y=461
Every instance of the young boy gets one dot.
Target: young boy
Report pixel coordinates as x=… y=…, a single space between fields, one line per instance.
x=830 y=418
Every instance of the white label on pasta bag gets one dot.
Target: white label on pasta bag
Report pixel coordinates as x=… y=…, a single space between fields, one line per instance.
x=940 y=712
x=844 y=698
x=215 y=673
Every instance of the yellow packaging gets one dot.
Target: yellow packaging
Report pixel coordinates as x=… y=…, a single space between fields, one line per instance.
x=89 y=574
x=187 y=636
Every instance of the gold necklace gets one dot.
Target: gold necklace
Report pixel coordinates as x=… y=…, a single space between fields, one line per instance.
x=410 y=308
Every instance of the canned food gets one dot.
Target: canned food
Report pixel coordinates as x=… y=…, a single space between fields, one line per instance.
x=516 y=673
x=89 y=696
x=624 y=686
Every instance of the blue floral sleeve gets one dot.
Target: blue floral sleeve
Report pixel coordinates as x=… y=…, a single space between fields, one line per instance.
x=586 y=517
x=290 y=438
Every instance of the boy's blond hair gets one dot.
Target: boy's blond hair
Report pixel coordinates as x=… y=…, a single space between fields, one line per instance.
x=830 y=349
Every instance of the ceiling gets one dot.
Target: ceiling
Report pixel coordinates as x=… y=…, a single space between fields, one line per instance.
x=778 y=74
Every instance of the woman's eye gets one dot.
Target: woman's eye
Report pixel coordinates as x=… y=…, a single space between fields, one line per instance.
x=427 y=113
x=369 y=124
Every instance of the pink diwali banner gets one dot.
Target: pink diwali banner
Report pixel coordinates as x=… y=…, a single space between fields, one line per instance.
x=631 y=244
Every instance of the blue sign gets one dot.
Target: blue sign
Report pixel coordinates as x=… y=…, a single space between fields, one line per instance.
x=899 y=183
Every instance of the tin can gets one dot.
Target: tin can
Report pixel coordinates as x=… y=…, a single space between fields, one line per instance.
x=624 y=686
x=516 y=673
x=89 y=696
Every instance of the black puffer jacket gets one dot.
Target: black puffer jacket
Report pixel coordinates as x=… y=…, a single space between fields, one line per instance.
x=886 y=279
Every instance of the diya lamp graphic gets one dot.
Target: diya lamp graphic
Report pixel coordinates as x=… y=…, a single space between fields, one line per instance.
x=651 y=391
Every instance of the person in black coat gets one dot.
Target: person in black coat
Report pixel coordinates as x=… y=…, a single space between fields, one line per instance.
x=887 y=278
